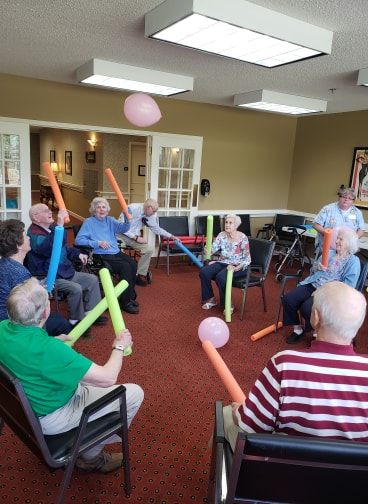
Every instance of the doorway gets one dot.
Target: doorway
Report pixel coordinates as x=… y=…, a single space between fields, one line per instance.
x=138 y=174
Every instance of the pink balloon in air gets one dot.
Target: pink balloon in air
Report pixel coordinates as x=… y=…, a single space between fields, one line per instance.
x=141 y=110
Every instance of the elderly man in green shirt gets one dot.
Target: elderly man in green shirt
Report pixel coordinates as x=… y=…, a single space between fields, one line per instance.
x=58 y=381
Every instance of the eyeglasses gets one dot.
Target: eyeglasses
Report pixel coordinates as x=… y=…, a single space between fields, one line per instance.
x=347 y=198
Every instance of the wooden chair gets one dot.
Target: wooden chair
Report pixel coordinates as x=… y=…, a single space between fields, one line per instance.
x=261 y=254
x=178 y=226
x=62 y=450
x=274 y=468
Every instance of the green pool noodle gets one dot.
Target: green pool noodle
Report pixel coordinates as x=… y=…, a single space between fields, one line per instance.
x=113 y=304
x=93 y=315
x=228 y=289
x=209 y=236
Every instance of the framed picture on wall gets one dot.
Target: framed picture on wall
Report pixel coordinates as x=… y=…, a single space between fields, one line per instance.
x=359 y=176
x=91 y=157
x=68 y=162
x=52 y=156
x=142 y=170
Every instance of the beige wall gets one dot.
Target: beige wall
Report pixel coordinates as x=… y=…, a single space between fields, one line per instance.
x=246 y=155
x=323 y=157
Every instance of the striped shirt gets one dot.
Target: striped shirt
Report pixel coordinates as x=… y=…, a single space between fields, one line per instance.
x=321 y=391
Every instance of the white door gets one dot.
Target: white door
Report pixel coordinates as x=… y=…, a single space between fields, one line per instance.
x=137 y=168
x=15 y=171
x=175 y=172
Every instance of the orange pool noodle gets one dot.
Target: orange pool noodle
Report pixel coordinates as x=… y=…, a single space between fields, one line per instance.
x=327 y=237
x=55 y=189
x=267 y=330
x=223 y=371
x=117 y=191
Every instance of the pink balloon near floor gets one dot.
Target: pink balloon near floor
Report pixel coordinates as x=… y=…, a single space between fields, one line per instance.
x=215 y=330
x=141 y=110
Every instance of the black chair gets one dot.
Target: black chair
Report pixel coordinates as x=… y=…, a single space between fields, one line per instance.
x=178 y=226
x=62 y=450
x=286 y=231
x=363 y=275
x=274 y=468
x=245 y=224
x=261 y=254
x=201 y=225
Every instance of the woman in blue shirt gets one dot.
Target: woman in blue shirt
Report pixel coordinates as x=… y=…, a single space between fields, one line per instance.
x=343 y=266
x=98 y=232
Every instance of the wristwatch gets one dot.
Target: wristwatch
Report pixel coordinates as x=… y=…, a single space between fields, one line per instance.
x=119 y=347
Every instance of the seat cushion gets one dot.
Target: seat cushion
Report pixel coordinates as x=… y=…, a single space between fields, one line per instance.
x=61 y=445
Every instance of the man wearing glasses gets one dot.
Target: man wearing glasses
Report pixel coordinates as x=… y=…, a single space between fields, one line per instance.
x=143 y=214
x=340 y=213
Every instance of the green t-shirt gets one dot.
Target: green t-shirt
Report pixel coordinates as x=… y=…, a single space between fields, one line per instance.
x=48 y=369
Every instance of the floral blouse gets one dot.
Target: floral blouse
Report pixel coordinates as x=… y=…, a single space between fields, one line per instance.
x=235 y=253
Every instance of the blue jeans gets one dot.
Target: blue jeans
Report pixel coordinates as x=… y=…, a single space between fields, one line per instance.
x=298 y=300
x=218 y=272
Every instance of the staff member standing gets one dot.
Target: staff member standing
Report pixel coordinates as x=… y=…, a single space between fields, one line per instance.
x=338 y=214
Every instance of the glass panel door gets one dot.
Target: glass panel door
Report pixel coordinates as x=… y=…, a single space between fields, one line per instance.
x=175 y=172
x=15 y=176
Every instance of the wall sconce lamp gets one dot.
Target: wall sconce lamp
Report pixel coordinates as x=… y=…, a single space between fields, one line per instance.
x=92 y=142
x=54 y=167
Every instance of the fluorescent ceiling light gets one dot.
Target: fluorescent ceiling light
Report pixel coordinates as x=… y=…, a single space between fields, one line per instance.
x=363 y=77
x=281 y=103
x=237 y=29
x=118 y=76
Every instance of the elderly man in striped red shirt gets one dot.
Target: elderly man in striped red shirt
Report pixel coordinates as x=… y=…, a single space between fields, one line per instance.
x=320 y=391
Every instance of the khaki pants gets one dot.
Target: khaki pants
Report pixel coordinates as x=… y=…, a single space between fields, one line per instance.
x=231 y=430
x=146 y=253
x=68 y=416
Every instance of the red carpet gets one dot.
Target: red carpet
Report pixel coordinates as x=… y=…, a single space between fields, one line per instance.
x=170 y=434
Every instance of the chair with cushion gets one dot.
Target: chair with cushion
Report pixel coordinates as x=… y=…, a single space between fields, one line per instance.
x=178 y=226
x=201 y=225
x=274 y=468
x=62 y=450
x=261 y=254
x=245 y=224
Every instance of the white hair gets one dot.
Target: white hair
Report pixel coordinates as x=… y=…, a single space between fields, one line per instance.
x=237 y=219
x=27 y=303
x=351 y=238
x=96 y=201
x=341 y=309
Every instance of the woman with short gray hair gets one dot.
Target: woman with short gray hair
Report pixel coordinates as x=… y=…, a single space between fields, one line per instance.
x=99 y=233
x=233 y=247
x=343 y=266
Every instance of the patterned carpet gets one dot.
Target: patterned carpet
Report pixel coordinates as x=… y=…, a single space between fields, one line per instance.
x=169 y=436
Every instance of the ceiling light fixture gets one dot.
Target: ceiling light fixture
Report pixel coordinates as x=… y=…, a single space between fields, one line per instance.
x=363 y=77
x=98 y=72
x=280 y=103
x=237 y=29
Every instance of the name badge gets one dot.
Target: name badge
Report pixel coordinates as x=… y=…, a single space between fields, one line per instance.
x=352 y=216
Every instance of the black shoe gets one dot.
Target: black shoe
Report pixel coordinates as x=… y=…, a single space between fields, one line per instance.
x=87 y=334
x=134 y=303
x=130 y=308
x=100 y=321
x=141 y=280
x=294 y=337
